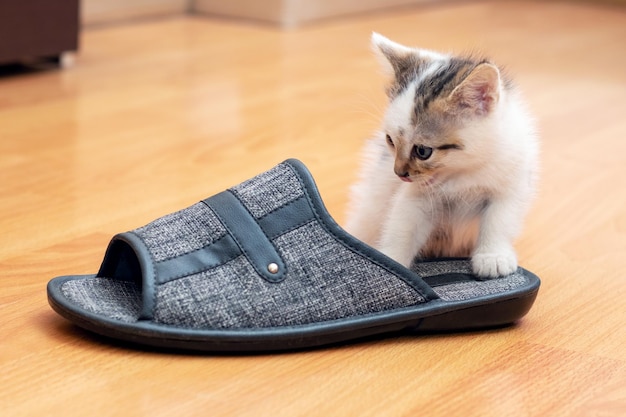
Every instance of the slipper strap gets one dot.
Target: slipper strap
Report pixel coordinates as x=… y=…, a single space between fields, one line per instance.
x=248 y=235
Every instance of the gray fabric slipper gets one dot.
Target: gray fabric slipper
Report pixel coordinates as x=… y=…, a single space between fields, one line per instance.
x=263 y=266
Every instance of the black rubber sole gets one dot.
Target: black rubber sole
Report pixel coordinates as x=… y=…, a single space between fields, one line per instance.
x=437 y=316
x=480 y=317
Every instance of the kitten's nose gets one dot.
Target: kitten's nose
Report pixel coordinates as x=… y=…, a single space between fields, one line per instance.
x=402 y=170
x=404 y=176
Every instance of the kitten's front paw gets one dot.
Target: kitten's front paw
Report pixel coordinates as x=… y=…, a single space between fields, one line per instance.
x=494 y=264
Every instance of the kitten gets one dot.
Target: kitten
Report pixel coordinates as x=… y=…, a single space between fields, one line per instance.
x=453 y=170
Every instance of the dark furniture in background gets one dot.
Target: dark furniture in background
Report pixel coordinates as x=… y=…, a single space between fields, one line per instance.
x=37 y=29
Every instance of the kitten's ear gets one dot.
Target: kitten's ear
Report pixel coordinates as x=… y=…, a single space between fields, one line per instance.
x=479 y=92
x=395 y=58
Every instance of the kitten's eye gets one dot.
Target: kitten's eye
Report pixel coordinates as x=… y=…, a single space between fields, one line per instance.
x=390 y=141
x=421 y=152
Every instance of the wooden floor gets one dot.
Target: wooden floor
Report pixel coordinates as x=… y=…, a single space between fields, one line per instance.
x=157 y=115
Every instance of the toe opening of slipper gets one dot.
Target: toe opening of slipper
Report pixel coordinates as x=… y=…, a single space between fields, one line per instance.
x=116 y=291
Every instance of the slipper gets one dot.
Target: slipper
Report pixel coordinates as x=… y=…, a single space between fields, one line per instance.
x=264 y=267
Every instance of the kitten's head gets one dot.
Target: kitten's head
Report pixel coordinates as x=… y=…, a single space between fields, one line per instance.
x=439 y=106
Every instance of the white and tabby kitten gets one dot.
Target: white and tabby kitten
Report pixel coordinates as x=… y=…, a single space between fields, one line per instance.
x=453 y=170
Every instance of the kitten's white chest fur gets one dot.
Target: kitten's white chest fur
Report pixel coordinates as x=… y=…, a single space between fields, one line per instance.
x=452 y=171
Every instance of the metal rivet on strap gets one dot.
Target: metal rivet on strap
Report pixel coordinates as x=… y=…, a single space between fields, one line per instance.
x=272 y=268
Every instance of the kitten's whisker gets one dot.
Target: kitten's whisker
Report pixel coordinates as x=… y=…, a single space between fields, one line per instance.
x=369 y=107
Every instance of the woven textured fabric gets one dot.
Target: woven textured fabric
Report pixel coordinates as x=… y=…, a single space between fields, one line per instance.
x=466 y=289
x=119 y=300
x=472 y=289
x=181 y=232
x=324 y=281
x=430 y=268
x=269 y=191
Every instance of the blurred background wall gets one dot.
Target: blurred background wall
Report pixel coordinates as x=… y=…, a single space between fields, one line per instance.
x=284 y=13
x=95 y=12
